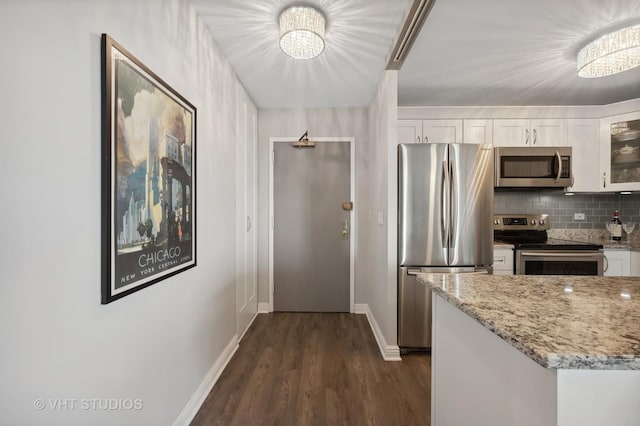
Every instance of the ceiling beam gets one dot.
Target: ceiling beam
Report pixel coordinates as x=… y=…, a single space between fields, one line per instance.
x=411 y=28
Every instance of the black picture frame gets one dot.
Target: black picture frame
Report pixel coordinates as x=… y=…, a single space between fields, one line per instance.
x=148 y=176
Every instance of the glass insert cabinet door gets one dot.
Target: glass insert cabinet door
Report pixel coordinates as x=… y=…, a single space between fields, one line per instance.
x=620 y=152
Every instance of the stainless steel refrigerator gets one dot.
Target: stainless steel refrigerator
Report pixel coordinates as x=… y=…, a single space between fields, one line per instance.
x=445 y=213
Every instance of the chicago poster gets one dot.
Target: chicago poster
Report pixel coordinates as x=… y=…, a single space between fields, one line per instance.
x=149 y=194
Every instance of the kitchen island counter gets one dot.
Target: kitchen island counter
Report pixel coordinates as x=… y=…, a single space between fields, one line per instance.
x=558 y=321
x=531 y=350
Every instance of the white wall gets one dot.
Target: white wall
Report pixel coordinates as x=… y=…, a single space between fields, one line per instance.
x=58 y=342
x=377 y=258
x=321 y=122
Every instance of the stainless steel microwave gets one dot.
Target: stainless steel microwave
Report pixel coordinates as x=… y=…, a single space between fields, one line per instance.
x=533 y=167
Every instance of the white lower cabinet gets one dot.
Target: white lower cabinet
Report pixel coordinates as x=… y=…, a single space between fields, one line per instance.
x=503 y=261
x=617 y=263
x=635 y=263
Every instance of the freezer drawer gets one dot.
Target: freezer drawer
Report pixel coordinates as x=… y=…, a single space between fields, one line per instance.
x=414 y=311
x=414 y=303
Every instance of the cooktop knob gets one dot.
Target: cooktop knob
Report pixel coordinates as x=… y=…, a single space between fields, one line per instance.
x=541 y=221
x=533 y=221
x=496 y=222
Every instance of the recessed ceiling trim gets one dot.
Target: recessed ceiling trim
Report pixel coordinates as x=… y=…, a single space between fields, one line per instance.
x=411 y=28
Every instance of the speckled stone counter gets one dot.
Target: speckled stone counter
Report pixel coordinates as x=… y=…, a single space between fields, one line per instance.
x=501 y=245
x=598 y=236
x=560 y=322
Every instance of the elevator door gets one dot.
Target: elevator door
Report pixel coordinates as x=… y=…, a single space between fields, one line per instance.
x=312 y=231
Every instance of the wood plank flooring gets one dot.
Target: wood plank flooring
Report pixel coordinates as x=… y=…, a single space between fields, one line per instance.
x=317 y=369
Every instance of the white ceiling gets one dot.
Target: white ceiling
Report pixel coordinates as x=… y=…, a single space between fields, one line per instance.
x=470 y=52
x=359 y=36
x=514 y=52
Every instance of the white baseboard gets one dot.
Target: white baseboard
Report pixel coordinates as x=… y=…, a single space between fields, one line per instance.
x=197 y=399
x=361 y=308
x=263 y=308
x=389 y=352
x=248 y=327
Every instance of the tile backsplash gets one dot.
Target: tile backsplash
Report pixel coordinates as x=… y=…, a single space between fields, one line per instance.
x=597 y=208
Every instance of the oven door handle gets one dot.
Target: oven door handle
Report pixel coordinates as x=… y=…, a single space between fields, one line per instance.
x=556 y=254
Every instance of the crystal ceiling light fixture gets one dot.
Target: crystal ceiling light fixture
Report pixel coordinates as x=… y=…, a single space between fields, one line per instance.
x=610 y=54
x=302 y=32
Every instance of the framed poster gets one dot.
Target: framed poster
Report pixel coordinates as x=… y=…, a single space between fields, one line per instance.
x=148 y=176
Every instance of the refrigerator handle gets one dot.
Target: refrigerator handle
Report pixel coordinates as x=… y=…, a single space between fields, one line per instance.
x=454 y=207
x=444 y=229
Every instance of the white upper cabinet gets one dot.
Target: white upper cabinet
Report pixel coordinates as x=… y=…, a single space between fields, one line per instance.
x=409 y=131
x=426 y=131
x=511 y=132
x=525 y=132
x=442 y=131
x=549 y=132
x=620 y=152
x=584 y=138
x=477 y=131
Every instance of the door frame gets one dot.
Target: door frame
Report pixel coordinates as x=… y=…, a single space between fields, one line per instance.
x=352 y=215
x=246 y=212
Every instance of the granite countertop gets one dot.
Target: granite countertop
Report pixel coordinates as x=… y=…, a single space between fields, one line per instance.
x=608 y=243
x=501 y=245
x=560 y=322
x=598 y=236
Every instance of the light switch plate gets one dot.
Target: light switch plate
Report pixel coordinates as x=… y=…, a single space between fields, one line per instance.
x=380 y=218
x=579 y=216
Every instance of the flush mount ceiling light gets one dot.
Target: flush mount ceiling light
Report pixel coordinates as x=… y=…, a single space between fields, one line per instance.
x=610 y=54
x=302 y=32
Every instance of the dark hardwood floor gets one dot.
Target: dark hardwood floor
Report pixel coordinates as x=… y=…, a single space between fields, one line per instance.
x=317 y=369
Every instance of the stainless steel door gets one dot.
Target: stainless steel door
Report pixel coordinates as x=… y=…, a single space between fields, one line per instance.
x=471 y=229
x=311 y=229
x=414 y=310
x=551 y=262
x=422 y=210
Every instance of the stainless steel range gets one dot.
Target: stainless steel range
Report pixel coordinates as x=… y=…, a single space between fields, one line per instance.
x=536 y=254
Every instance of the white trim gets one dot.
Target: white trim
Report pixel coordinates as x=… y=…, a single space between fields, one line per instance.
x=354 y=228
x=248 y=327
x=264 y=308
x=361 y=308
x=246 y=211
x=197 y=399
x=352 y=215
x=270 y=226
x=388 y=352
